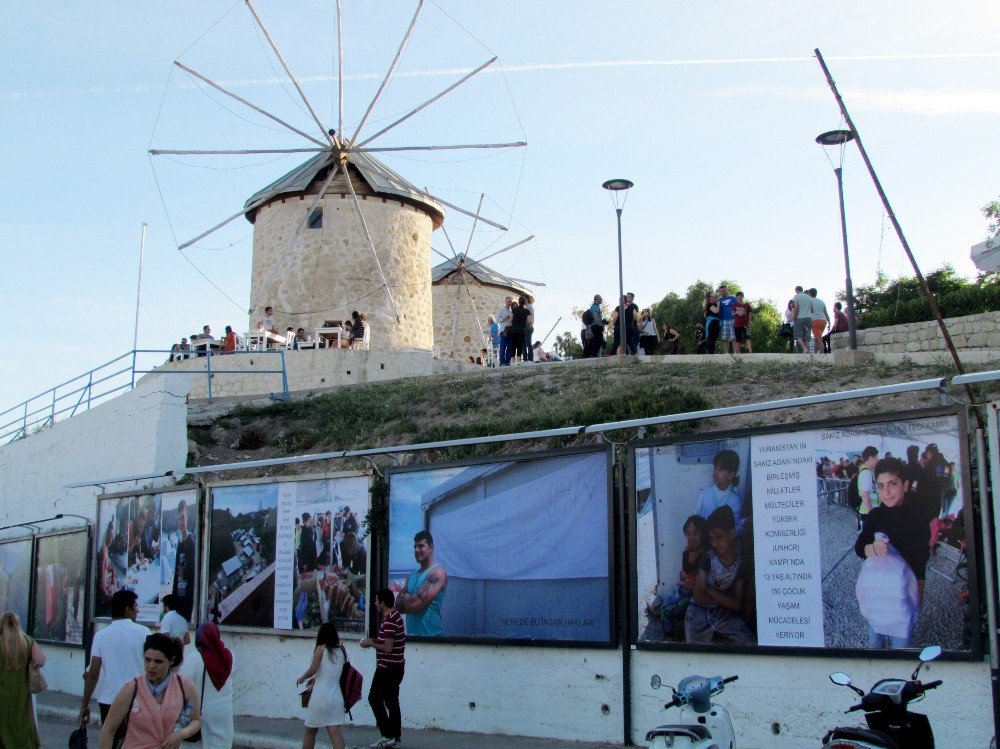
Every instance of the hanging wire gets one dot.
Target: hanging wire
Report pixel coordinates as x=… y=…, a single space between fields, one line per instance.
x=206 y=31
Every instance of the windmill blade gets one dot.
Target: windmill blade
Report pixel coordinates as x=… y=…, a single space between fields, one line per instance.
x=518 y=144
x=440 y=253
x=550 y=331
x=462 y=210
x=388 y=75
x=458 y=297
x=475 y=222
x=427 y=103
x=288 y=70
x=294 y=242
x=340 y=69
x=213 y=229
x=241 y=100
x=506 y=249
x=454 y=254
x=175 y=152
x=371 y=244
x=525 y=281
x=479 y=321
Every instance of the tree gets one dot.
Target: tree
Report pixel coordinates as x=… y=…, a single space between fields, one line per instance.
x=683 y=313
x=902 y=300
x=992 y=212
x=567 y=346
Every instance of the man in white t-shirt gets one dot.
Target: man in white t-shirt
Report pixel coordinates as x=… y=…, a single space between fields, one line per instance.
x=173 y=622
x=116 y=654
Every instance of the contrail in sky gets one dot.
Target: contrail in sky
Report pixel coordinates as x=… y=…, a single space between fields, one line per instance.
x=526 y=68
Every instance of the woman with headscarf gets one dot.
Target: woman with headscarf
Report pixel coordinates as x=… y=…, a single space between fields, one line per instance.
x=210 y=667
x=159 y=709
x=17 y=716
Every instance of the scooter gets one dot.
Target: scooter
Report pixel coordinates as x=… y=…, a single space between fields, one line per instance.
x=890 y=724
x=703 y=724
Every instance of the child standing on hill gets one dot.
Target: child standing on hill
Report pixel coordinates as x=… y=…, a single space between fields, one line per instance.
x=672 y=607
x=719 y=587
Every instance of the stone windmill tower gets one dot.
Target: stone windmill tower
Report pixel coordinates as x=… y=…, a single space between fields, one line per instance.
x=332 y=270
x=466 y=293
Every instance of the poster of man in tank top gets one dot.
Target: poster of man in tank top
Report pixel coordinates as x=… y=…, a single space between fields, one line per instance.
x=506 y=550
x=143 y=540
x=291 y=554
x=60 y=590
x=848 y=535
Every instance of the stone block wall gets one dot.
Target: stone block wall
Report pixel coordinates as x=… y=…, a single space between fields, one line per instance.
x=333 y=271
x=969 y=332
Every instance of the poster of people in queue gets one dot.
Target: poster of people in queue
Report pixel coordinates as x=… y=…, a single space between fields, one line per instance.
x=507 y=550
x=15 y=577
x=291 y=554
x=840 y=537
x=60 y=591
x=148 y=544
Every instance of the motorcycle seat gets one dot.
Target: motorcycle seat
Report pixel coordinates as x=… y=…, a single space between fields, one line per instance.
x=852 y=733
x=696 y=732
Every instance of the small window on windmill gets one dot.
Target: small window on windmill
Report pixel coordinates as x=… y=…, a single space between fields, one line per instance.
x=316 y=219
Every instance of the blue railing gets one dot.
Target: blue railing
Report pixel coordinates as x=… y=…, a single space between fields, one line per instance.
x=118 y=375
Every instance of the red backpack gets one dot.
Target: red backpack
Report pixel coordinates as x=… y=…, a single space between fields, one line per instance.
x=351 y=683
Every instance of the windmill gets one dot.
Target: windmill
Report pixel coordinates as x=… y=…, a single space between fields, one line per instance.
x=342 y=231
x=467 y=292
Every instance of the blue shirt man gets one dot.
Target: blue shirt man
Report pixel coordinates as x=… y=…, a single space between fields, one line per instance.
x=726 y=302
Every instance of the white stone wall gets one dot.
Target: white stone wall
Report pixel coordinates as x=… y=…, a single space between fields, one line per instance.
x=306 y=369
x=142 y=431
x=334 y=272
x=457 y=299
x=969 y=332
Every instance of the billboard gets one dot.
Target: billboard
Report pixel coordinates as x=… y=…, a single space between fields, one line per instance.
x=148 y=543
x=834 y=535
x=290 y=554
x=60 y=592
x=519 y=549
x=15 y=577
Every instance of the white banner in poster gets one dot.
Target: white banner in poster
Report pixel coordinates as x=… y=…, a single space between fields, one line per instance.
x=786 y=542
x=284 y=564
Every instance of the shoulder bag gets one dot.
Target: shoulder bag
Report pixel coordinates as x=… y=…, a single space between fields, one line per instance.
x=196 y=737
x=351 y=683
x=36 y=681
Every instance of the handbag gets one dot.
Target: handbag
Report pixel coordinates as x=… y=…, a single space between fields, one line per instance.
x=36 y=681
x=305 y=694
x=785 y=331
x=78 y=739
x=351 y=683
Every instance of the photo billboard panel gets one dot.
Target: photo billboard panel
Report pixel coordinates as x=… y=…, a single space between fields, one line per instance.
x=60 y=592
x=148 y=543
x=290 y=554
x=15 y=577
x=520 y=548
x=849 y=536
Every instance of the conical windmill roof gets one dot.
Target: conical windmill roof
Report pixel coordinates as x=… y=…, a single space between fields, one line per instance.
x=481 y=272
x=381 y=179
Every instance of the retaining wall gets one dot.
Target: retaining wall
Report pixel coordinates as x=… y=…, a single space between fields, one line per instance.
x=969 y=332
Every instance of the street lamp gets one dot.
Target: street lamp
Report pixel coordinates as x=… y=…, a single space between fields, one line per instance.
x=839 y=138
x=619 y=188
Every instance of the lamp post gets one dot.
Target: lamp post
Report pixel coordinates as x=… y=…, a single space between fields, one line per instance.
x=839 y=138
x=619 y=187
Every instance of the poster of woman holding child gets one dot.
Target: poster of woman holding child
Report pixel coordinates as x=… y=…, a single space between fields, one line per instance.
x=849 y=535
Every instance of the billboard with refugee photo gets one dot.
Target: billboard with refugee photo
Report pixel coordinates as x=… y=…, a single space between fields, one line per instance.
x=15 y=577
x=517 y=549
x=60 y=593
x=290 y=554
x=148 y=543
x=849 y=534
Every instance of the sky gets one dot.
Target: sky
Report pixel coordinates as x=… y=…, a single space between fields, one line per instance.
x=711 y=109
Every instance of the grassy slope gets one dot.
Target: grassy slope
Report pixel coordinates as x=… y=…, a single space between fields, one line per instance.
x=527 y=398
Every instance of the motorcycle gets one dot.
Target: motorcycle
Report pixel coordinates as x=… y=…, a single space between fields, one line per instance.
x=890 y=724
x=703 y=724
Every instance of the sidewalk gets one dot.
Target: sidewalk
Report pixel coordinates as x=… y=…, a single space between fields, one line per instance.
x=286 y=733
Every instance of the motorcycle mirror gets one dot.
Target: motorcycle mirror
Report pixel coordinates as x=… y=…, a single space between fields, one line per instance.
x=839 y=677
x=655 y=681
x=930 y=653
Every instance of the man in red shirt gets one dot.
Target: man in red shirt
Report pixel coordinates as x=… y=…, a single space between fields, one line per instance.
x=742 y=315
x=389 y=661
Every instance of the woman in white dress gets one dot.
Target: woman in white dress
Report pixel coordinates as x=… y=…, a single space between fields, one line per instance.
x=326 y=705
x=210 y=668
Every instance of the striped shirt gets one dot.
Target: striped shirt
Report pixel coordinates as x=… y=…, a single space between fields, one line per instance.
x=392 y=629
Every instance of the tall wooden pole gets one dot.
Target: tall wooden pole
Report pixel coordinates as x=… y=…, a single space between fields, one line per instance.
x=899 y=233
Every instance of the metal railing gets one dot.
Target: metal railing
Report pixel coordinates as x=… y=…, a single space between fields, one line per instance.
x=107 y=380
